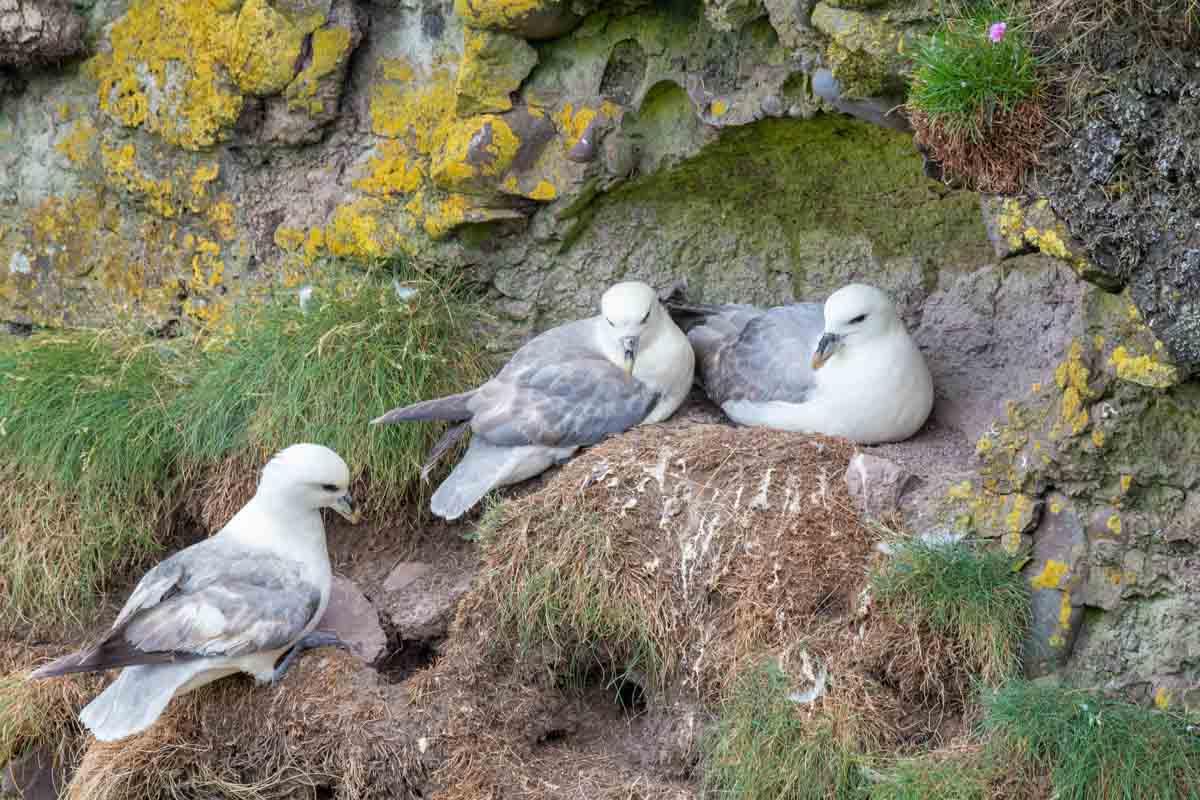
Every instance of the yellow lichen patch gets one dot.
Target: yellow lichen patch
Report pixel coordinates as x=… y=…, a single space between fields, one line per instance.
x=573 y=122
x=984 y=445
x=1051 y=575
x=1162 y=698
x=392 y=171
x=499 y=14
x=397 y=69
x=330 y=47
x=1126 y=483
x=168 y=63
x=1072 y=378
x=220 y=217
x=1056 y=507
x=1098 y=438
x=265 y=46
x=420 y=115
x=1114 y=524
x=544 y=191
x=482 y=147
x=493 y=66
x=447 y=215
x=1144 y=370
x=120 y=169
x=1064 y=612
x=79 y=146
x=357 y=230
x=719 y=108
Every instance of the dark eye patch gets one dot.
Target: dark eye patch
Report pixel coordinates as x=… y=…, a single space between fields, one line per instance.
x=329 y=487
x=858 y=319
x=645 y=318
x=609 y=321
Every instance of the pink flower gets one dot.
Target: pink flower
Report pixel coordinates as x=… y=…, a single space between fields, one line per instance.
x=996 y=32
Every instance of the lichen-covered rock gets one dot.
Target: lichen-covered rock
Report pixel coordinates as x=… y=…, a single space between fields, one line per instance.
x=492 y=68
x=529 y=19
x=1057 y=574
x=34 y=32
x=1125 y=180
x=865 y=52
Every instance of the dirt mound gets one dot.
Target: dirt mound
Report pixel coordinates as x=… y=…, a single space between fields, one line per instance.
x=648 y=574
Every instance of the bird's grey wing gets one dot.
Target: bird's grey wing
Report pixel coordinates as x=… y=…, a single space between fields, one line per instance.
x=558 y=391
x=770 y=358
x=247 y=602
x=207 y=600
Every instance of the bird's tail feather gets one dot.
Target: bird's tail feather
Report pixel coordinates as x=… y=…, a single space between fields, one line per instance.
x=452 y=408
x=484 y=467
x=134 y=700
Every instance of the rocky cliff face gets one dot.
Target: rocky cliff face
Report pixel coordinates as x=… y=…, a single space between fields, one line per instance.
x=210 y=152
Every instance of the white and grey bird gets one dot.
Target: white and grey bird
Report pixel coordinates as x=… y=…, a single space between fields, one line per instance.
x=566 y=388
x=848 y=368
x=235 y=602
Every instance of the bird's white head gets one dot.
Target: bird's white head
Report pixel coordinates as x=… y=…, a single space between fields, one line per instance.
x=854 y=315
x=309 y=476
x=631 y=316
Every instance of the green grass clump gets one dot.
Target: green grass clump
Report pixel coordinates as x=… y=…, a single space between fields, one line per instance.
x=86 y=452
x=1093 y=747
x=573 y=592
x=961 y=778
x=102 y=434
x=972 y=596
x=761 y=748
x=962 y=78
x=286 y=376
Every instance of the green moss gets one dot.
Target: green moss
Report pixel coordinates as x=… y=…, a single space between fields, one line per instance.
x=810 y=182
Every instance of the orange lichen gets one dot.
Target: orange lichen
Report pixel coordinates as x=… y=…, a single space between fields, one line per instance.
x=392 y=171
x=1051 y=575
x=330 y=48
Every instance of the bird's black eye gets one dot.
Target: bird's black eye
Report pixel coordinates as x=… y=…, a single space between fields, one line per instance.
x=329 y=487
x=647 y=317
x=858 y=319
x=609 y=321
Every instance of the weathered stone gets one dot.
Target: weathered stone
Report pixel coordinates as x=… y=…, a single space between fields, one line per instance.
x=529 y=19
x=876 y=484
x=356 y=622
x=864 y=51
x=1057 y=574
x=34 y=32
x=493 y=66
x=421 y=601
x=405 y=573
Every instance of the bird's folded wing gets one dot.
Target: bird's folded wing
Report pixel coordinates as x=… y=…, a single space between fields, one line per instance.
x=770 y=360
x=230 y=602
x=574 y=400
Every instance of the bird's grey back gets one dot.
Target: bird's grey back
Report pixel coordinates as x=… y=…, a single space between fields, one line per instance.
x=559 y=390
x=748 y=354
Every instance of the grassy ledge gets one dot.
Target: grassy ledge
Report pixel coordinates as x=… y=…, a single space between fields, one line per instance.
x=972 y=596
x=1095 y=748
x=762 y=749
x=975 y=99
x=103 y=436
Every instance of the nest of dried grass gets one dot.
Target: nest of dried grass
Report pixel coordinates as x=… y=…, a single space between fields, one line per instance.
x=324 y=732
x=992 y=155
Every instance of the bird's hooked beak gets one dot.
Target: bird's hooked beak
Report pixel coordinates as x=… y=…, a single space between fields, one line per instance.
x=630 y=345
x=825 y=349
x=344 y=506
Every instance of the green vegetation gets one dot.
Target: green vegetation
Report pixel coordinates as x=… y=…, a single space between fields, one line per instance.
x=960 y=778
x=563 y=600
x=761 y=748
x=1095 y=748
x=972 y=596
x=101 y=435
x=962 y=77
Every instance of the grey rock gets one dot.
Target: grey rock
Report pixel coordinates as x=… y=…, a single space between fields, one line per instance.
x=1058 y=572
x=34 y=32
x=354 y=619
x=876 y=484
x=420 y=601
x=32 y=776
